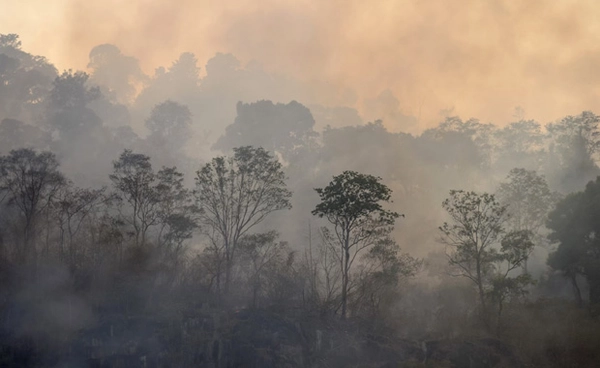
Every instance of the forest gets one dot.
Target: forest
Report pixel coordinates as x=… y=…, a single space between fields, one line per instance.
x=210 y=219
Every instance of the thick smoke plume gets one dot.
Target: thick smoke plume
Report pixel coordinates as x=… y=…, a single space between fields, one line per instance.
x=474 y=58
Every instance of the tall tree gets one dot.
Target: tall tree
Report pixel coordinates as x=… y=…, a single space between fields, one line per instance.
x=15 y=134
x=29 y=181
x=25 y=79
x=575 y=141
x=382 y=268
x=260 y=252
x=73 y=206
x=519 y=142
x=117 y=74
x=574 y=228
x=133 y=178
x=476 y=226
x=170 y=128
x=234 y=194
x=282 y=128
x=176 y=210
x=180 y=83
x=352 y=203
x=528 y=198
x=478 y=245
x=68 y=103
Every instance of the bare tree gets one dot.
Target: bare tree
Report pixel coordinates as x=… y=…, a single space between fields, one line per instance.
x=235 y=194
x=29 y=181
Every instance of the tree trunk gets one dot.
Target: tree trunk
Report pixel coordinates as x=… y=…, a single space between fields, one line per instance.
x=593 y=277
x=345 y=271
x=228 y=266
x=576 y=289
x=484 y=315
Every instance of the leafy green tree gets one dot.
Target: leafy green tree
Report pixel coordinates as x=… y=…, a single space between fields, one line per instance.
x=234 y=194
x=352 y=203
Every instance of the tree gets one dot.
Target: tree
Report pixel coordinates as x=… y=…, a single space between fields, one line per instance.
x=529 y=201
x=25 y=79
x=29 y=181
x=133 y=178
x=73 y=206
x=70 y=91
x=10 y=40
x=176 y=210
x=515 y=248
x=575 y=142
x=520 y=138
x=581 y=129
x=118 y=74
x=260 y=253
x=282 y=128
x=71 y=120
x=180 y=83
x=472 y=238
x=528 y=198
x=234 y=194
x=15 y=134
x=171 y=121
x=382 y=269
x=574 y=227
x=457 y=150
x=521 y=141
x=351 y=202
x=471 y=133
x=169 y=125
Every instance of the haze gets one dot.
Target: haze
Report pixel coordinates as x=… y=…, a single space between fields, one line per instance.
x=299 y=184
x=479 y=58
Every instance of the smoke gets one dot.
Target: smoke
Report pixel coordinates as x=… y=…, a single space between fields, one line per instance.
x=478 y=58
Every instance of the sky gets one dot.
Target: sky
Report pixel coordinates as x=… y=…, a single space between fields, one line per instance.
x=472 y=58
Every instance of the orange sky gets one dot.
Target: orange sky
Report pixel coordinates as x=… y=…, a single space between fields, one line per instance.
x=481 y=57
